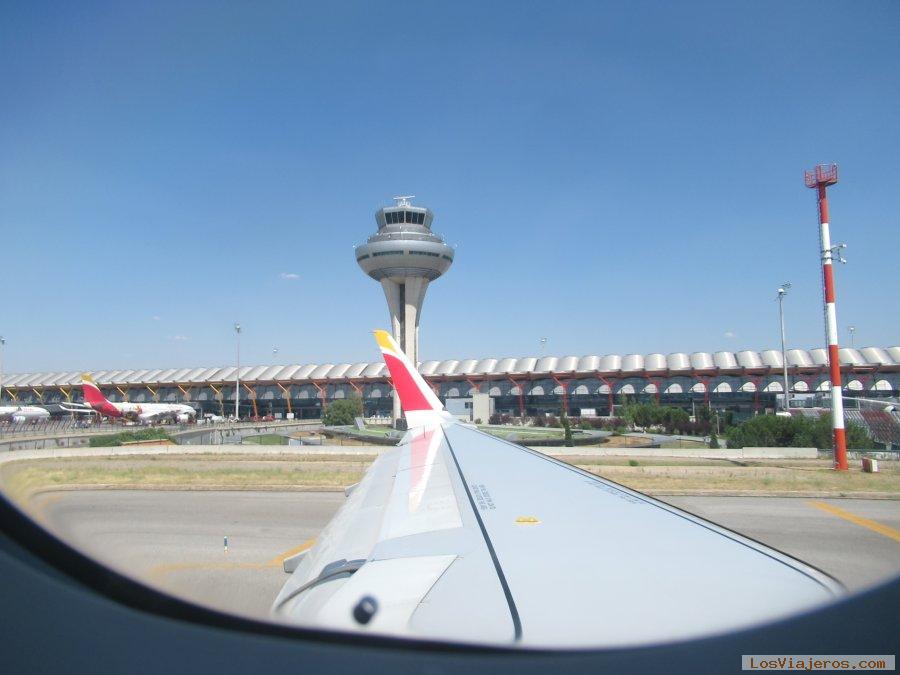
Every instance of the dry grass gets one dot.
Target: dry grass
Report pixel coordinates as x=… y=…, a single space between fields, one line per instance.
x=816 y=478
x=249 y=471
x=21 y=479
x=622 y=441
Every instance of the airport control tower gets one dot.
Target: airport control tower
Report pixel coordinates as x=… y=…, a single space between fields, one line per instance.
x=405 y=256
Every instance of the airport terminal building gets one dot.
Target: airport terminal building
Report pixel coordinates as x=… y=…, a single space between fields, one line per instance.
x=744 y=382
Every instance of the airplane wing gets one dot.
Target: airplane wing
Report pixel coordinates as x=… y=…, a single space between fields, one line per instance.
x=458 y=535
x=79 y=408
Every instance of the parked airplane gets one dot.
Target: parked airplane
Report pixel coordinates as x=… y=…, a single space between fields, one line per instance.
x=138 y=412
x=458 y=535
x=17 y=414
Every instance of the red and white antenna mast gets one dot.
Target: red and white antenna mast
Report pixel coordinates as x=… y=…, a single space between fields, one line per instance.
x=819 y=179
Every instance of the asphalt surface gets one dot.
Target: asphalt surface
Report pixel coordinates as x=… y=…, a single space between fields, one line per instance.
x=808 y=529
x=174 y=540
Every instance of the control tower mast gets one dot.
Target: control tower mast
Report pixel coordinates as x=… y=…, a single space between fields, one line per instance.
x=405 y=256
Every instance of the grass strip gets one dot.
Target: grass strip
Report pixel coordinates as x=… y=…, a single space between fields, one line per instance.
x=19 y=479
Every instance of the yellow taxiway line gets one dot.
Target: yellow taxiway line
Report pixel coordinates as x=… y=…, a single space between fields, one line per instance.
x=158 y=572
x=278 y=560
x=873 y=525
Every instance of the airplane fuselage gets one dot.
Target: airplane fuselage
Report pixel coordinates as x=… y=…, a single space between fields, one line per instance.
x=144 y=412
x=23 y=413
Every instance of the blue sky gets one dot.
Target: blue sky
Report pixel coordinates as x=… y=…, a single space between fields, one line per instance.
x=617 y=177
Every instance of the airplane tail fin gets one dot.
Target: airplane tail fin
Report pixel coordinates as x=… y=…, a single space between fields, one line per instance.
x=420 y=404
x=92 y=393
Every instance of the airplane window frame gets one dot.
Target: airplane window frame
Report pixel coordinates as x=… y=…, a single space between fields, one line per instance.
x=63 y=561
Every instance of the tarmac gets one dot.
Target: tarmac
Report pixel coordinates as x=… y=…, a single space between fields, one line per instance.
x=175 y=540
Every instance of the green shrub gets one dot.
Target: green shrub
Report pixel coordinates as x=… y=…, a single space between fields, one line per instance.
x=796 y=431
x=646 y=415
x=343 y=412
x=113 y=440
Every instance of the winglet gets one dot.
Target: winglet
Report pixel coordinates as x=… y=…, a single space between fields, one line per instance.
x=419 y=403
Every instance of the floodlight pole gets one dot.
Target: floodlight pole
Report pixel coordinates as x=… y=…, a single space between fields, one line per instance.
x=237 y=375
x=782 y=291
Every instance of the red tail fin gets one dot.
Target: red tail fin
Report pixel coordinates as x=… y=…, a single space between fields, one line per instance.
x=92 y=393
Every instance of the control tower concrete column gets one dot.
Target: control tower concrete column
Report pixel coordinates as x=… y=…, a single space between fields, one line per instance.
x=405 y=256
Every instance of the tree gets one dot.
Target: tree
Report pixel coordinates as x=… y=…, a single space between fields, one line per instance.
x=821 y=435
x=713 y=441
x=649 y=415
x=343 y=412
x=567 y=428
x=777 y=431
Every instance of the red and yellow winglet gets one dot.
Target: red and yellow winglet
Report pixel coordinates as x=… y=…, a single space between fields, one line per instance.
x=419 y=403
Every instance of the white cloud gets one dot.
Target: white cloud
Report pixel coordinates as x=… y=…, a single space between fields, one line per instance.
x=179 y=338
x=730 y=334
x=156 y=317
x=289 y=276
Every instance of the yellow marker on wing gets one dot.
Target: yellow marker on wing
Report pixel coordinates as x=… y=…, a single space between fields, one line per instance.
x=527 y=520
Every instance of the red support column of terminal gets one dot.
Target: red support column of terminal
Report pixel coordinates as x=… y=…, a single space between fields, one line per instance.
x=609 y=394
x=705 y=382
x=757 y=383
x=657 y=384
x=565 y=395
x=521 y=388
x=323 y=394
x=819 y=179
